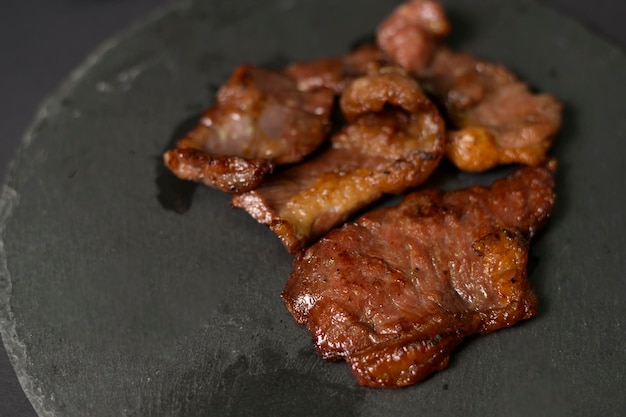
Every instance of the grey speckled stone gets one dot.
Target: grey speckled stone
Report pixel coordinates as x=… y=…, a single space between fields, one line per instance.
x=111 y=305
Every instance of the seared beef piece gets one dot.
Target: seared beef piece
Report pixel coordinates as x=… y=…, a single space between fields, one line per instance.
x=495 y=118
x=394 y=292
x=411 y=33
x=259 y=114
x=335 y=73
x=393 y=141
x=233 y=174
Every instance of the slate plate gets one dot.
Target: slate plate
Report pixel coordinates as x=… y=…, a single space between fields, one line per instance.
x=113 y=304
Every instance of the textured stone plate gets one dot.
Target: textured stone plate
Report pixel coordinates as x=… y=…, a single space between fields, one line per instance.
x=113 y=303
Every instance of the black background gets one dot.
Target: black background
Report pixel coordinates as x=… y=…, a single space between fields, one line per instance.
x=41 y=41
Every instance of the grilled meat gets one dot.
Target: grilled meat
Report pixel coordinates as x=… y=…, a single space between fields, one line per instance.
x=411 y=33
x=495 y=118
x=259 y=115
x=394 y=292
x=336 y=73
x=393 y=140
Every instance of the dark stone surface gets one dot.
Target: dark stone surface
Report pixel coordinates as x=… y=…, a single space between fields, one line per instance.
x=120 y=326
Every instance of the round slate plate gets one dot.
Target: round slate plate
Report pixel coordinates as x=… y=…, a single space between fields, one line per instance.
x=126 y=293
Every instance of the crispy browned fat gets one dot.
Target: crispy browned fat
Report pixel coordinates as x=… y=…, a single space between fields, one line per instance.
x=395 y=291
x=228 y=173
x=394 y=139
x=495 y=118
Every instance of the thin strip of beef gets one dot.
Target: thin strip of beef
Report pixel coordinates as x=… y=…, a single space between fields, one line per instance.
x=394 y=292
x=261 y=119
x=495 y=118
x=393 y=141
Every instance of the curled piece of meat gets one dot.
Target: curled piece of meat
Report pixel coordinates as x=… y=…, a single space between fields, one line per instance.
x=259 y=115
x=336 y=72
x=411 y=33
x=394 y=292
x=393 y=141
x=495 y=118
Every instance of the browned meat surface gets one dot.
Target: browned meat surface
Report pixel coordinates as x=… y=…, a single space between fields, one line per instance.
x=259 y=114
x=233 y=174
x=335 y=73
x=394 y=292
x=393 y=141
x=495 y=118
x=411 y=33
